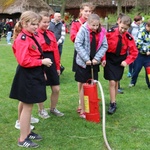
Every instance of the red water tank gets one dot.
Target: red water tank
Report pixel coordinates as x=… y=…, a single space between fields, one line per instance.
x=91 y=102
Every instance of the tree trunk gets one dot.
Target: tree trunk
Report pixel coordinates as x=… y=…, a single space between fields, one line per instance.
x=119 y=7
x=63 y=7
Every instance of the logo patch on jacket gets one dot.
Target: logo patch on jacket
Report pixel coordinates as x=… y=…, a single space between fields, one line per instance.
x=110 y=30
x=33 y=47
x=23 y=37
x=129 y=37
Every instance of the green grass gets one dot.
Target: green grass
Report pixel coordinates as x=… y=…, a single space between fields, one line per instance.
x=127 y=129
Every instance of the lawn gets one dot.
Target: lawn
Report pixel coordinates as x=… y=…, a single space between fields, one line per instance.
x=127 y=129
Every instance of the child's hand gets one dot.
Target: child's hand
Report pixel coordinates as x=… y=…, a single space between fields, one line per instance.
x=88 y=62
x=103 y=63
x=58 y=71
x=94 y=62
x=47 y=62
x=147 y=53
x=123 y=64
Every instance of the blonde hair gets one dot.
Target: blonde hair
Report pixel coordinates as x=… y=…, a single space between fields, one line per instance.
x=43 y=14
x=86 y=4
x=94 y=17
x=27 y=16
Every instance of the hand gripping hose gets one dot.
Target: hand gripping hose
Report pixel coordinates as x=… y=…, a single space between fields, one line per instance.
x=104 y=117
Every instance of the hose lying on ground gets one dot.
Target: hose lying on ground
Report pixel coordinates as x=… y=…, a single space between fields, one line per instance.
x=103 y=117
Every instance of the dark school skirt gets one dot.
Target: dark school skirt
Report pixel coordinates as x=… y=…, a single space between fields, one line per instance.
x=51 y=72
x=74 y=65
x=84 y=74
x=29 y=85
x=113 y=70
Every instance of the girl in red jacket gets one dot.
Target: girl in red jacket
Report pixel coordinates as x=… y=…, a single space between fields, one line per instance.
x=85 y=10
x=50 y=48
x=29 y=83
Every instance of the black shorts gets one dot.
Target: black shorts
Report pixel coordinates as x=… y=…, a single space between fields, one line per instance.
x=51 y=72
x=113 y=70
x=84 y=74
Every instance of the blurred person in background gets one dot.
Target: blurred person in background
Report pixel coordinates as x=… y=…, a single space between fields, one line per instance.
x=133 y=30
x=58 y=28
x=9 y=29
x=143 y=59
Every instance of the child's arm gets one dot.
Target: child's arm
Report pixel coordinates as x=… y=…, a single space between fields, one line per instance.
x=102 y=50
x=133 y=51
x=79 y=45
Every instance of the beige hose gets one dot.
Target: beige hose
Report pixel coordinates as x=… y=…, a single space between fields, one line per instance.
x=104 y=117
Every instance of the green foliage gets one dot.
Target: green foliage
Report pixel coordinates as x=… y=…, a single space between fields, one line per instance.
x=127 y=129
x=136 y=11
x=112 y=17
x=67 y=18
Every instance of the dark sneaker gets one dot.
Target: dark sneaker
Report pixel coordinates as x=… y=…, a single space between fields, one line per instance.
x=112 y=108
x=28 y=144
x=34 y=136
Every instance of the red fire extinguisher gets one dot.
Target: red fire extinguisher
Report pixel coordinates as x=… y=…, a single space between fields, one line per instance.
x=148 y=73
x=91 y=100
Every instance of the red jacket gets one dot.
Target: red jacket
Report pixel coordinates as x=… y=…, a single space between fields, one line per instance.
x=26 y=51
x=75 y=26
x=53 y=47
x=128 y=44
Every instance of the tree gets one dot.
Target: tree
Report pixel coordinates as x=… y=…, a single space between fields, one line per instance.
x=144 y=6
x=61 y=3
x=119 y=6
x=63 y=7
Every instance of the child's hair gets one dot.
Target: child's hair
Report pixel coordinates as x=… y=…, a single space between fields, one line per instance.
x=43 y=14
x=27 y=16
x=137 y=18
x=148 y=23
x=120 y=15
x=94 y=17
x=86 y=4
x=126 y=20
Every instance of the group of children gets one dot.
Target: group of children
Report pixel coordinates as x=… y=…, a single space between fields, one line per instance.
x=36 y=52
x=111 y=50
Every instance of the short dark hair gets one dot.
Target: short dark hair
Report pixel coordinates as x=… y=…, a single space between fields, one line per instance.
x=126 y=20
x=120 y=15
x=137 y=18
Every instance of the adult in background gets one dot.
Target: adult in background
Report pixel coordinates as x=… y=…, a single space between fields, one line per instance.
x=143 y=59
x=59 y=30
